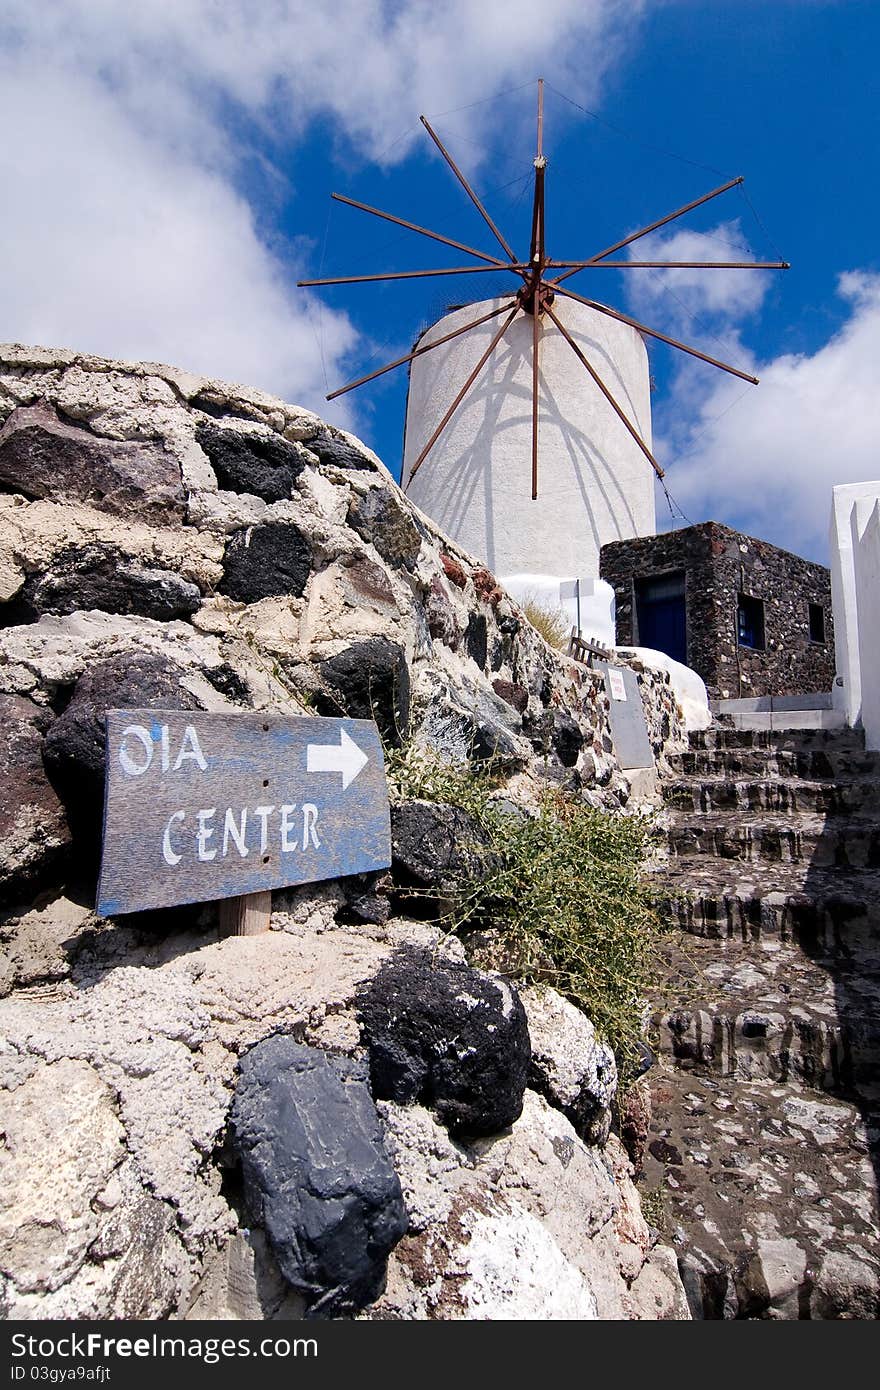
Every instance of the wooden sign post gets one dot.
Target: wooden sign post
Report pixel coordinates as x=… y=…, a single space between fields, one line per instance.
x=200 y=807
x=246 y=916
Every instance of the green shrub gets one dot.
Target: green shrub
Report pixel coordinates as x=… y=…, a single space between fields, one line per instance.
x=571 y=910
x=416 y=772
x=567 y=905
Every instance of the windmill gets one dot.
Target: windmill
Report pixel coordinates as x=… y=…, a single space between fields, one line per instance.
x=537 y=298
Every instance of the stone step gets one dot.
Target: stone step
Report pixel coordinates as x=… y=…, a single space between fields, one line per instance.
x=817 y=841
x=813 y=764
x=718 y=736
x=767 y=1011
x=766 y=1097
x=822 y=910
x=787 y=720
x=769 y=1196
x=789 y=794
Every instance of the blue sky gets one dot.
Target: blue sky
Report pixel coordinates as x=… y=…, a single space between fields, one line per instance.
x=167 y=171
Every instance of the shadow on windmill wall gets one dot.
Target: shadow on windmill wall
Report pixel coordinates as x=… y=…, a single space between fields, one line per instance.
x=593 y=482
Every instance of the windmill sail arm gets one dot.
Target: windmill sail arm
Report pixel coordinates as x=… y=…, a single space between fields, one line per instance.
x=423 y=231
x=462 y=393
x=654 y=333
x=661 y=222
x=418 y=352
x=503 y=243
x=537 y=256
x=536 y=368
x=668 y=265
x=411 y=274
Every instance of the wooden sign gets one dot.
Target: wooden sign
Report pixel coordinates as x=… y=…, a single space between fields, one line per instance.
x=206 y=806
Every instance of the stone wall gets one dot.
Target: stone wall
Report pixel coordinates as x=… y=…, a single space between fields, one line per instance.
x=719 y=565
x=168 y=541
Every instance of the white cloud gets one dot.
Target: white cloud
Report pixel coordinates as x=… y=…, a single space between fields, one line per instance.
x=726 y=296
x=131 y=227
x=769 y=463
x=369 y=64
x=130 y=136
x=110 y=245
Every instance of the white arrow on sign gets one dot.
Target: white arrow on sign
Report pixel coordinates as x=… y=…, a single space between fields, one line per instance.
x=346 y=758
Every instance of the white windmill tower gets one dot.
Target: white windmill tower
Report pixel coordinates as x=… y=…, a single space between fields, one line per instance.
x=528 y=427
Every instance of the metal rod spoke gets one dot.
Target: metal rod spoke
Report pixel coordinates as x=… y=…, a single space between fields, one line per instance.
x=536 y=338
x=536 y=250
x=607 y=394
x=462 y=393
x=417 y=352
x=653 y=333
x=661 y=222
x=414 y=227
x=537 y=253
x=669 y=265
x=413 y=274
x=467 y=188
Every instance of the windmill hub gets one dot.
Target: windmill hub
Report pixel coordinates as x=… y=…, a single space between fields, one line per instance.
x=535 y=298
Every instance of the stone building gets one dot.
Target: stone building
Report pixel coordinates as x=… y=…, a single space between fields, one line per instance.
x=751 y=619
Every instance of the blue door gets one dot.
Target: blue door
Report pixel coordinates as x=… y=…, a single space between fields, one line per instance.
x=660 y=614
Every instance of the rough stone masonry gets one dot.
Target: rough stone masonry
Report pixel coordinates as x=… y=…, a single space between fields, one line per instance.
x=784 y=646
x=169 y=542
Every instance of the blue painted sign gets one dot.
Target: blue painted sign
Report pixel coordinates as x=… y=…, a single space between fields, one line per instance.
x=206 y=806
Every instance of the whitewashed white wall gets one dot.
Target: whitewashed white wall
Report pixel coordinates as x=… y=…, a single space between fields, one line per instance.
x=855 y=596
x=587 y=604
x=866 y=556
x=595 y=485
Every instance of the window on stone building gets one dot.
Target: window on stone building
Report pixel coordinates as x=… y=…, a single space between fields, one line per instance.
x=750 y=622
x=817 y=623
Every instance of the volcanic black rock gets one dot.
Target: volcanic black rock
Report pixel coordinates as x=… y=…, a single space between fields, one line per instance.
x=332 y=448
x=450 y=1037
x=555 y=731
x=265 y=561
x=368 y=680
x=265 y=465
x=74 y=745
x=377 y=517
x=316 y=1174
x=567 y=738
x=33 y=827
x=491 y=743
x=42 y=455
x=475 y=639
x=227 y=680
x=97 y=578
x=436 y=850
